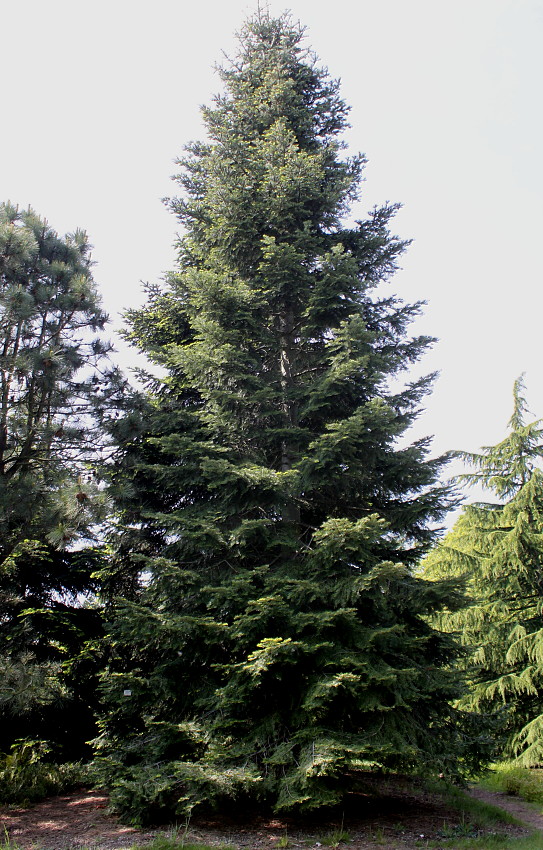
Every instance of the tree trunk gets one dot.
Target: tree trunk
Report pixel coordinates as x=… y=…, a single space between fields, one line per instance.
x=291 y=512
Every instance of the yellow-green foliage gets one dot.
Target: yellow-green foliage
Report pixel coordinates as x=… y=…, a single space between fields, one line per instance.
x=498 y=549
x=512 y=778
x=26 y=776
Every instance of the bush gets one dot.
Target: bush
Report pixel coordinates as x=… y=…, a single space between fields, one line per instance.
x=144 y=794
x=26 y=775
x=524 y=782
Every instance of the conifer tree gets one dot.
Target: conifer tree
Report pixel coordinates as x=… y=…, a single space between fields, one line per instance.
x=498 y=547
x=51 y=364
x=279 y=639
x=50 y=318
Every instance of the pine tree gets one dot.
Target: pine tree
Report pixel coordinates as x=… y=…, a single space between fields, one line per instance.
x=498 y=547
x=279 y=639
x=50 y=317
x=52 y=360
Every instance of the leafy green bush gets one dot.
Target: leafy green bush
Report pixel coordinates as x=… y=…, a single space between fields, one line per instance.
x=26 y=776
x=524 y=782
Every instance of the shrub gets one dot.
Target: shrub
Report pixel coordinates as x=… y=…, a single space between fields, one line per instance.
x=27 y=776
x=522 y=782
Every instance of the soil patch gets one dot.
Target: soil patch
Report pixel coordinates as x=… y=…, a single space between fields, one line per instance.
x=401 y=819
x=522 y=811
x=70 y=821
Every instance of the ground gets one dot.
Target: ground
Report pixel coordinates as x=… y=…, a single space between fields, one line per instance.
x=403 y=819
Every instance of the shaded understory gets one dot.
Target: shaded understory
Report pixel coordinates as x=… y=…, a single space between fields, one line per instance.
x=402 y=816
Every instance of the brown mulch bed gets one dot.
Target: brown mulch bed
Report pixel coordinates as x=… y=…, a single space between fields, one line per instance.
x=70 y=821
x=402 y=819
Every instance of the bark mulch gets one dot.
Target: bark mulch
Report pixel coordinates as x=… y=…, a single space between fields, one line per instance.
x=401 y=818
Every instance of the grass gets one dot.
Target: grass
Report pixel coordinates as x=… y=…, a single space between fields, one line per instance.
x=497 y=842
x=165 y=842
x=523 y=782
x=378 y=837
x=335 y=838
x=476 y=817
x=482 y=815
x=160 y=843
x=7 y=843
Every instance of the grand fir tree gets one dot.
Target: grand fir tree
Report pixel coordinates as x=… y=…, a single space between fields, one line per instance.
x=498 y=546
x=279 y=639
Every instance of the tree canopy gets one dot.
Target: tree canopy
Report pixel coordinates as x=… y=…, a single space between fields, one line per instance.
x=275 y=637
x=498 y=547
x=52 y=358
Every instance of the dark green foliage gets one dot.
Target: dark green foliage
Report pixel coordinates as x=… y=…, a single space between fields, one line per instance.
x=51 y=367
x=27 y=775
x=498 y=547
x=49 y=316
x=278 y=639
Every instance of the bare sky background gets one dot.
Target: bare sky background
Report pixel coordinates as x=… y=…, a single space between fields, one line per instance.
x=99 y=98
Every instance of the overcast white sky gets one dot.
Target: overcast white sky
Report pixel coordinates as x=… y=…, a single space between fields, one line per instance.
x=99 y=98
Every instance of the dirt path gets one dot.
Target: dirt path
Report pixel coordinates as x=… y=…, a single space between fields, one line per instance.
x=523 y=812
